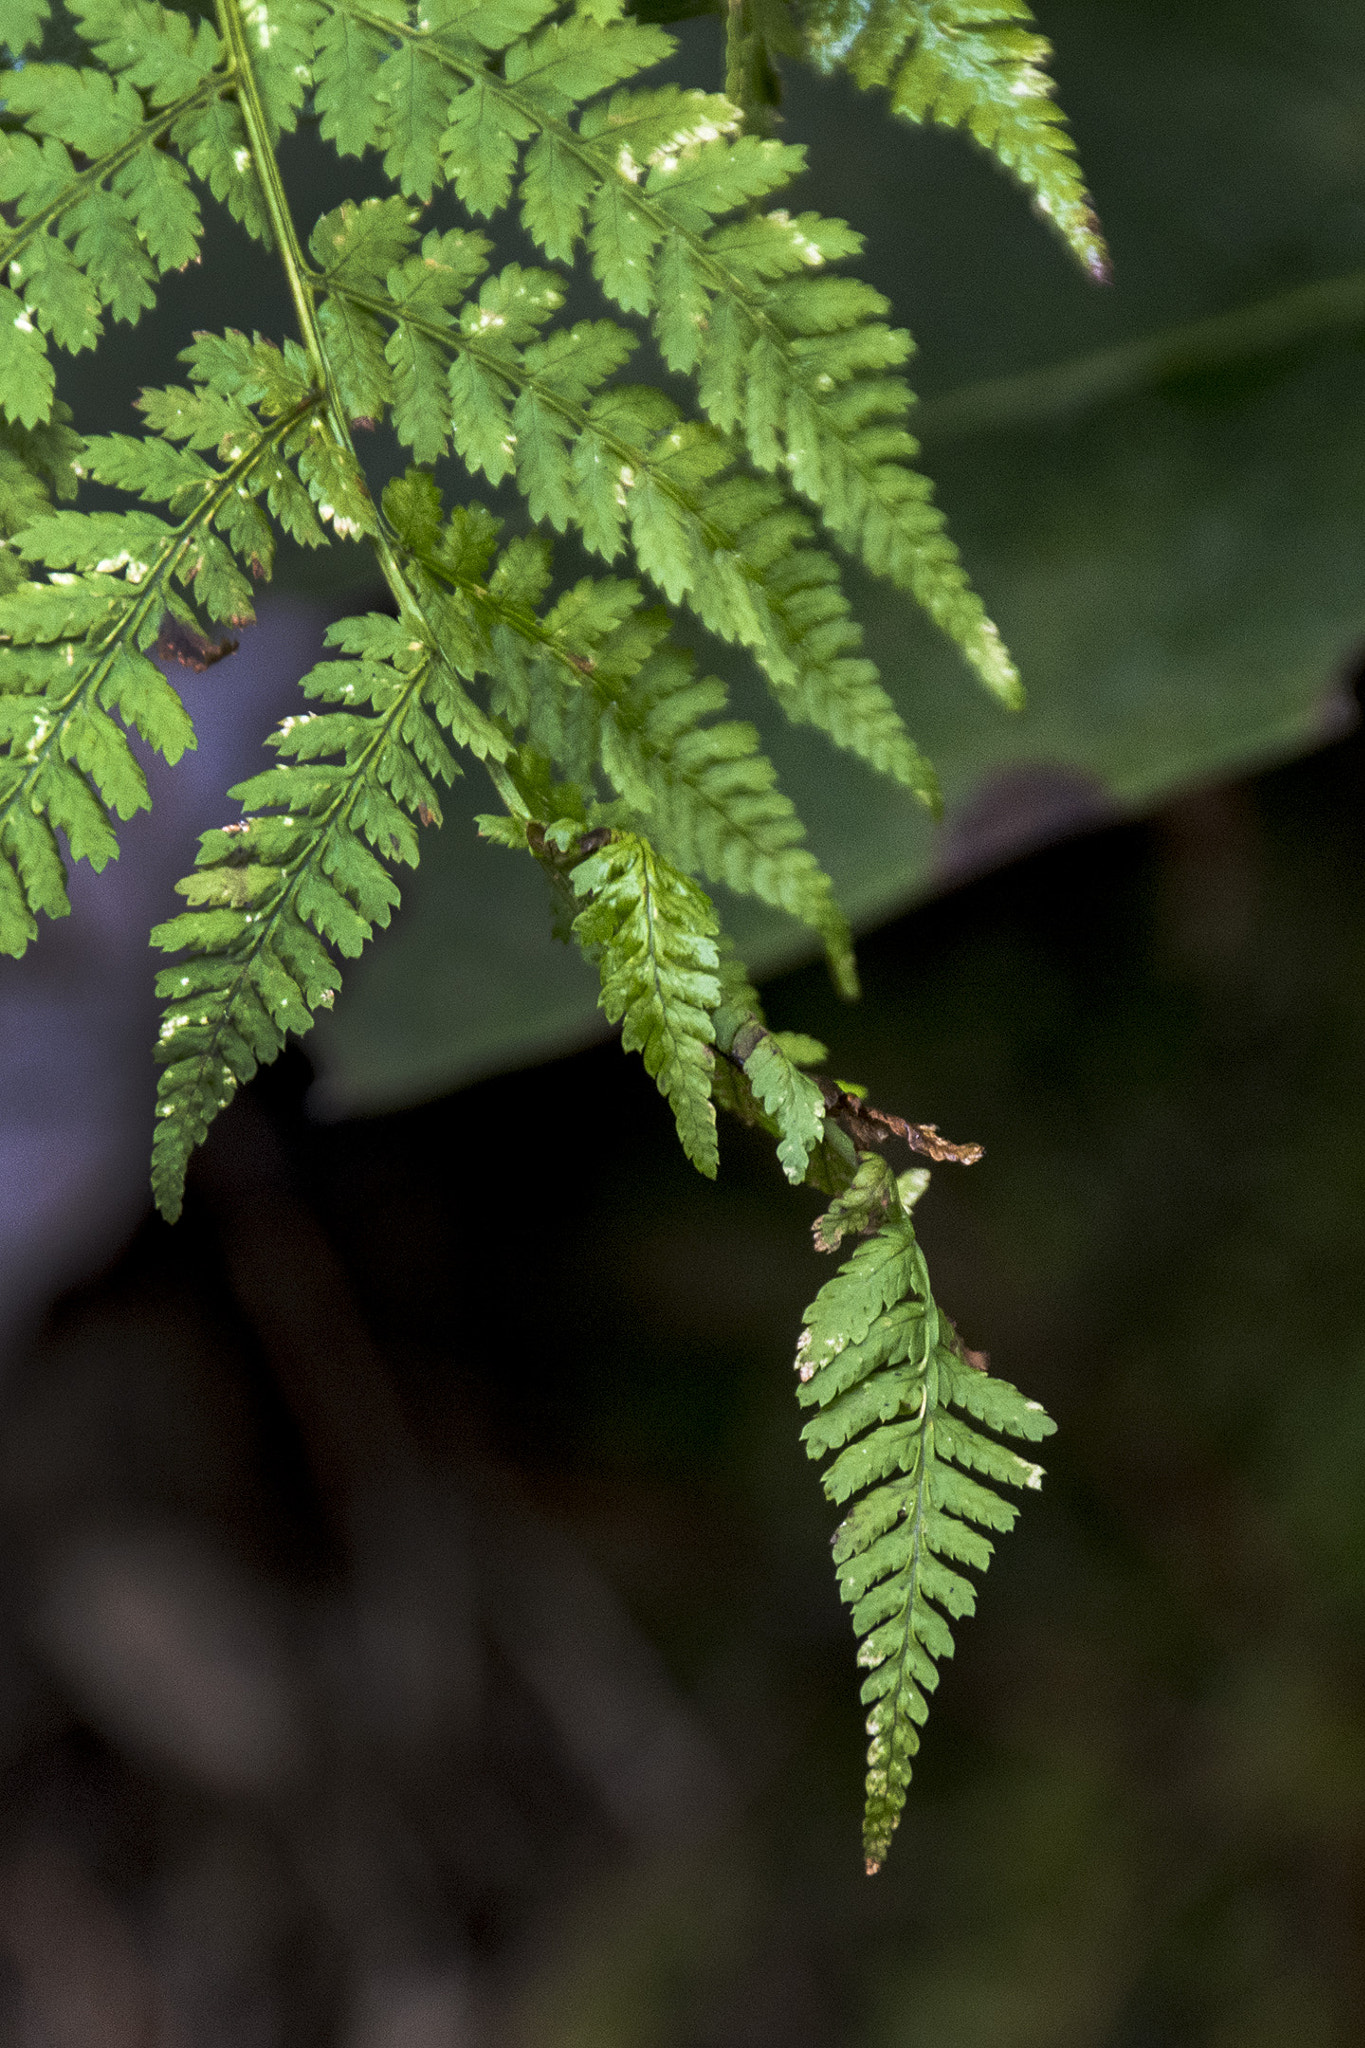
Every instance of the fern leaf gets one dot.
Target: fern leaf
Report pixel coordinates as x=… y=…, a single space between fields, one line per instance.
x=626 y=461
x=74 y=654
x=710 y=794
x=306 y=871
x=35 y=464
x=74 y=650
x=346 y=63
x=883 y=1371
x=28 y=384
x=95 y=237
x=281 y=38
x=794 y=365
x=789 y=1097
x=412 y=121
x=653 y=933
x=978 y=64
x=164 y=54
x=213 y=141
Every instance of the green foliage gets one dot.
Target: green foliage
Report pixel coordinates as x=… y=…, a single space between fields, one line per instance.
x=884 y=1370
x=613 y=762
x=711 y=795
x=974 y=64
x=76 y=669
x=304 y=871
x=653 y=932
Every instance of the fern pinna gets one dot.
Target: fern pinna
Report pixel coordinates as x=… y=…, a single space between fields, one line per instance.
x=884 y=1370
x=614 y=764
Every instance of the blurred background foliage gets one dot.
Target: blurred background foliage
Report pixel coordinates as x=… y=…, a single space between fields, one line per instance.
x=416 y=1618
x=419 y=1625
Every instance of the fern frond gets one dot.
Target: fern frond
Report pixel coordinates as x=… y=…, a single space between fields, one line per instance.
x=710 y=794
x=306 y=870
x=74 y=649
x=35 y=464
x=620 y=770
x=978 y=64
x=611 y=460
x=796 y=365
x=885 y=1373
x=652 y=932
x=100 y=209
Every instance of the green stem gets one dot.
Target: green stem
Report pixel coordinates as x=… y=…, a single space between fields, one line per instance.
x=298 y=274
x=257 y=127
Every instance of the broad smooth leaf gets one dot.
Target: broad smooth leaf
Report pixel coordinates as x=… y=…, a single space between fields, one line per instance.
x=1158 y=487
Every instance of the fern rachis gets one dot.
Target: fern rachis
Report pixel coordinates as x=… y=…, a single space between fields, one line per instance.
x=611 y=759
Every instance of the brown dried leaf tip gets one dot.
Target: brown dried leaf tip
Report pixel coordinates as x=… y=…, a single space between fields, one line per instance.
x=979 y=1361
x=593 y=842
x=178 y=642
x=869 y=1126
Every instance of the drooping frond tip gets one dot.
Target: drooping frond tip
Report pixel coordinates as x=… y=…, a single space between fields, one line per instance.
x=974 y=64
x=891 y=1386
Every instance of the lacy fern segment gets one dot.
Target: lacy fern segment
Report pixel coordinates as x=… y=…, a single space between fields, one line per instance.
x=304 y=871
x=711 y=795
x=891 y=1386
x=591 y=685
x=97 y=180
x=617 y=463
x=974 y=64
x=653 y=934
x=75 y=666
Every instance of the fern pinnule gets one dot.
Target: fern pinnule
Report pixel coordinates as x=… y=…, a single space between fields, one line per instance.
x=652 y=932
x=791 y=1103
x=884 y=1371
x=305 y=870
x=36 y=465
x=976 y=64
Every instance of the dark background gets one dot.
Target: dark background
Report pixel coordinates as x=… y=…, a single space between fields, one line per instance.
x=418 y=1619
